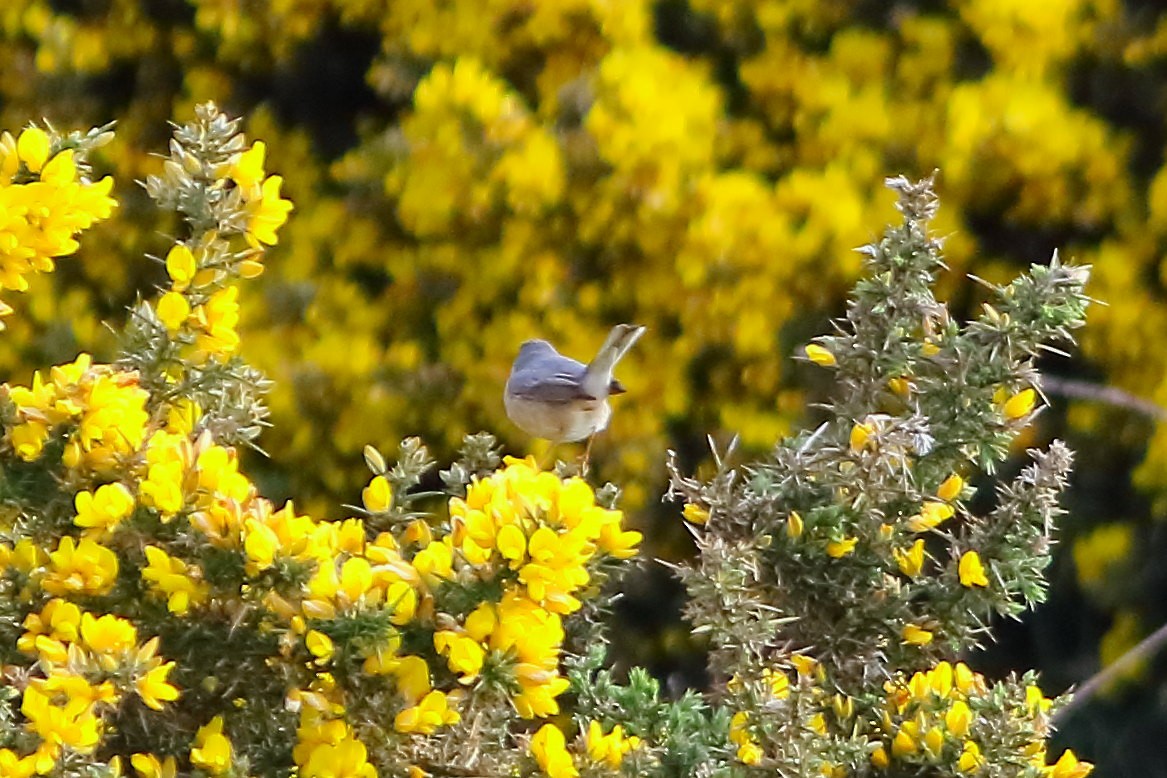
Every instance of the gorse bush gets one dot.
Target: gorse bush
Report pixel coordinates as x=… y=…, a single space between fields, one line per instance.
x=159 y=617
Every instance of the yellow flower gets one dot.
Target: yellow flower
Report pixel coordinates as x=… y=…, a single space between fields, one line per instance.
x=750 y=753
x=171 y=577
x=1068 y=766
x=32 y=148
x=861 y=433
x=247 y=167
x=216 y=321
x=794 y=525
x=173 y=310
x=911 y=562
x=805 y=665
x=972 y=572
x=153 y=687
x=73 y=724
x=695 y=514
x=347 y=758
x=970 y=758
x=933 y=742
x=149 y=766
x=378 y=495
x=413 y=678
x=267 y=213
x=427 y=716
x=958 y=718
x=261 y=544
x=837 y=549
x=902 y=387
x=1020 y=404
x=463 y=654
x=931 y=515
x=916 y=635
x=180 y=266
x=104 y=508
x=904 y=743
x=83 y=567
x=549 y=748
x=778 y=682
x=319 y=645
x=212 y=750
x=108 y=634
x=951 y=488
x=820 y=356
x=609 y=748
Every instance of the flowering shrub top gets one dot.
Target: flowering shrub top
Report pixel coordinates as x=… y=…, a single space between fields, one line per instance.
x=158 y=615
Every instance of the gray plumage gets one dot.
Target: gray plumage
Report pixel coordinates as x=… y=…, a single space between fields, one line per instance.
x=558 y=398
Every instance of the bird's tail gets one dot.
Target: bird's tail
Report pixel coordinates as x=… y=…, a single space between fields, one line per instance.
x=599 y=372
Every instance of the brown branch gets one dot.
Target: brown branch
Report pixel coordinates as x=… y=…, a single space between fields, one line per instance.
x=1143 y=651
x=1110 y=395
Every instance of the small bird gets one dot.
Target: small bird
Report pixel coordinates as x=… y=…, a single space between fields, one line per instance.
x=555 y=397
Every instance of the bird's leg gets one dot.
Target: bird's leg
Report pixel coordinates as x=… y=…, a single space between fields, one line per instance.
x=583 y=470
x=548 y=457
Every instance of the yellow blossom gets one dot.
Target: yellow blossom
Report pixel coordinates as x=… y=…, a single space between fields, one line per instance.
x=319 y=645
x=149 y=766
x=247 y=166
x=104 y=508
x=837 y=549
x=427 y=716
x=267 y=212
x=464 y=654
x=695 y=514
x=173 y=310
x=970 y=759
x=794 y=525
x=378 y=495
x=958 y=718
x=916 y=635
x=216 y=321
x=32 y=147
x=972 y=572
x=861 y=434
x=820 y=356
x=931 y=515
x=1068 y=766
x=1020 y=404
x=212 y=750
x=549 y=748
x=904 y=743
x=179 y=583
x=950 y=488
x=84 y=567
x=609 y=748
x=181 y=267
x=153 y=687
x=911 y=562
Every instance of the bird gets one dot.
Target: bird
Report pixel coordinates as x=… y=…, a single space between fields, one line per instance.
x=560 y=399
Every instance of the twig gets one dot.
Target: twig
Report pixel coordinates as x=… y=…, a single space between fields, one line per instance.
x=1144 y=650
x=1148 y=646
x=1111 y=395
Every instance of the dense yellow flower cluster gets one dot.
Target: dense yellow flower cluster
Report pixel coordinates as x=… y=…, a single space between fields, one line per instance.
x=45 y=202
x=142 y=496
x=549 y=747
x=931 y=719
x=102 y=409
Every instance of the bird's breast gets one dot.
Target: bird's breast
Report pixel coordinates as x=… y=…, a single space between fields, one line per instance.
x=566 y=421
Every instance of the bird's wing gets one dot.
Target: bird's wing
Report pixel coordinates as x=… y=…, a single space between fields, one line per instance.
x=548 y=387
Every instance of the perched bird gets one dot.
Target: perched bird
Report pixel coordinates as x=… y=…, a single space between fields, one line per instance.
x=555 y=397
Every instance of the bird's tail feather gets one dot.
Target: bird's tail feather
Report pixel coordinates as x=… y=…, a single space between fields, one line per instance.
x=599 y=372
